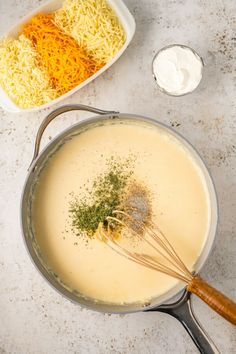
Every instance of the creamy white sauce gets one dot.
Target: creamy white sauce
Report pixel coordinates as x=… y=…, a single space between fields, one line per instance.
x=177 y=69
x=179 y=200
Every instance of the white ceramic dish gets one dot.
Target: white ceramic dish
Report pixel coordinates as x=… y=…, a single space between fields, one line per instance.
x=126 y=19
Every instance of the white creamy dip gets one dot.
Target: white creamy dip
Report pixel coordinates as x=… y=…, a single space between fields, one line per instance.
x=177 y=69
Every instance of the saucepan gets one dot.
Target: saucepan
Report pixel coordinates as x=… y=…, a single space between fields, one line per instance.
x=177 y=301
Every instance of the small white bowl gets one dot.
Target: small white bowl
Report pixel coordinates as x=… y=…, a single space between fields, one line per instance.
x=184 y=47
x=127 y=21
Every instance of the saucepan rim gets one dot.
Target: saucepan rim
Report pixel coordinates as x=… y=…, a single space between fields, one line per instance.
x=88 y=302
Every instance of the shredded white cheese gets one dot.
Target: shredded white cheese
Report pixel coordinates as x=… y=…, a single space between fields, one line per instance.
x=94 y=25
x=21 y=75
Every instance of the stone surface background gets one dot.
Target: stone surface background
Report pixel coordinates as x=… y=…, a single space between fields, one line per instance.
x=34 y=319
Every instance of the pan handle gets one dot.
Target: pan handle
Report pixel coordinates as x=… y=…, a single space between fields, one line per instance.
x=57 y=112
x=182 y=311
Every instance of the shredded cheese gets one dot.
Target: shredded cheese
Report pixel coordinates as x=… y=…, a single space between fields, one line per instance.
x=56 y=52
x=94 y=25
x=21 y=74
x=65 y=61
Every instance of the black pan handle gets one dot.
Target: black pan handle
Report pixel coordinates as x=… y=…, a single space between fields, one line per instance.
x=182 y=311
x=57 y=112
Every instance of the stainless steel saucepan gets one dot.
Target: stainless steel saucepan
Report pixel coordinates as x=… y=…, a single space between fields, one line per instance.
x=177 y=301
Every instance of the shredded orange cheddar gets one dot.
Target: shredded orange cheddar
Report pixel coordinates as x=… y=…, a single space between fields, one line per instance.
x=66 y=62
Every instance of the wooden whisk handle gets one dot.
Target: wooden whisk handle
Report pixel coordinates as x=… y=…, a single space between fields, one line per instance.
x=214 y=298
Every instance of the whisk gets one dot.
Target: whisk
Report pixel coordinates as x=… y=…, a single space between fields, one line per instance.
x=166 y=261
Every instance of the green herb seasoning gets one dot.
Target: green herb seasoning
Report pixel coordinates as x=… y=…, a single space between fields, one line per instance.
x=107 y=194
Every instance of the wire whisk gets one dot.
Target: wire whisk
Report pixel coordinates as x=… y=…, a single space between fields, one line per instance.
x=166 y=261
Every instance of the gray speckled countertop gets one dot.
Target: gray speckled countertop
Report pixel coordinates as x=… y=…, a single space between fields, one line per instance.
x=34 y=319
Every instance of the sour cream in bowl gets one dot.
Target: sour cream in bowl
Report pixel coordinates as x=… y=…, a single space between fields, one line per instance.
x=177 y=69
